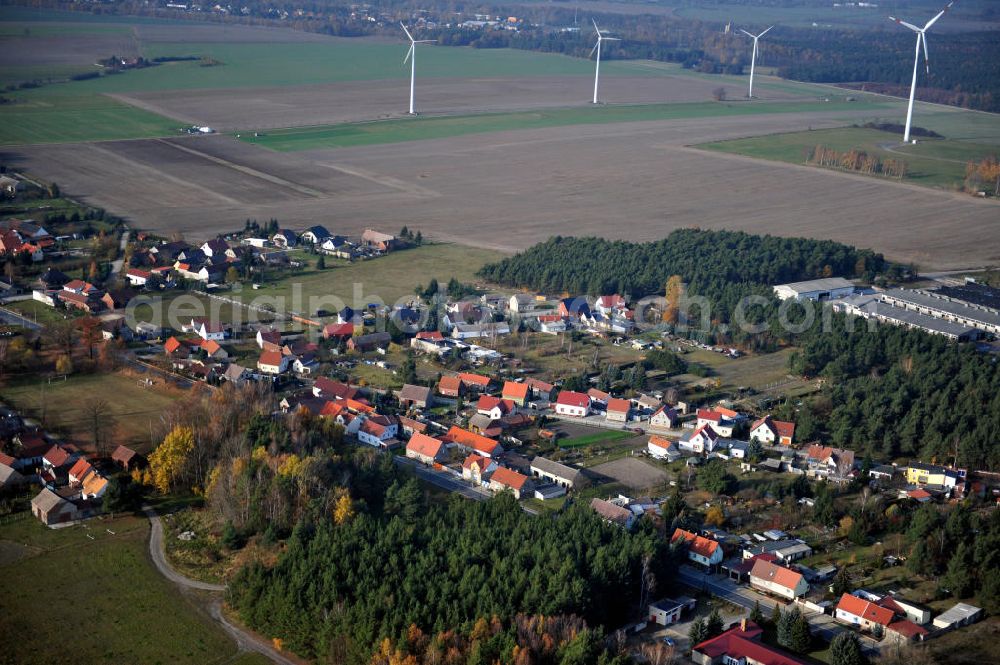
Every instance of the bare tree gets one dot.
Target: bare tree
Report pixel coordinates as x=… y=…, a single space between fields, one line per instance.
x=101 y=423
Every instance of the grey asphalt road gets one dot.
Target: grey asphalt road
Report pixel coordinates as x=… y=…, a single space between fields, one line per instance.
x=17 y=320
x=442 y=479
x=724 y=588
x=245 y=641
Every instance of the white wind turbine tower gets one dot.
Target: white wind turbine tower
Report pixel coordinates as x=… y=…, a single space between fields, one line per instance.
x=411 y=55
x=753 y=58
x=921 y=40
x=597 y=47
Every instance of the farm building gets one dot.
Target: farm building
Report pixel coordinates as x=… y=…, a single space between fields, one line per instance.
x=828 y=288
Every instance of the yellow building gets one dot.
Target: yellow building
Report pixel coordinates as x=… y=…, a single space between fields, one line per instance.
x=930 y=474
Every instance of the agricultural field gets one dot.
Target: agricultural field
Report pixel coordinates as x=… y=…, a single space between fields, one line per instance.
x=60 y=404
x=106 y=589
x=931 y=163
x=388 y=278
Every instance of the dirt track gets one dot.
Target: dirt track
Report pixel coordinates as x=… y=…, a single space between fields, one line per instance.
x=510 y=190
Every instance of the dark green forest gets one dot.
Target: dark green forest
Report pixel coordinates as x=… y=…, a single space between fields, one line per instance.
x=339 y=589
x=895 y=392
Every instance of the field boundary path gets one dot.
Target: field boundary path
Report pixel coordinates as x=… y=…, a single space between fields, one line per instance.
x=245 y=640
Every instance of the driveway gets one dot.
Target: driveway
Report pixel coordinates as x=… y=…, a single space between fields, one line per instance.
x=722 y=587
x=245 y=641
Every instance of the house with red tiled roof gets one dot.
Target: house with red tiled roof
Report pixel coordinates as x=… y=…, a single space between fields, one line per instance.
x=269 y=339
x=213 y=349
x=494 y=407
x=769 y=431
x=327 y=387
x=570 y=403
x=79 y=471
x=473 y=442
x=828 y=462
x=273 y=362
x=618 y=410
x=504 y=479
x=338 y=331
x=451 y=386
x=126 y=457
x=57 y=457
x=137 y=276
x=478 y=468
x=425 y=448
x=864 y=614
x=705 y=552
x=701 y=441
x=741 y=645
x=539 y=387
x=378 y=431
x=777 y=580
x=720 y=422
x=474 y=381
x=516 y=392
x=171 y=346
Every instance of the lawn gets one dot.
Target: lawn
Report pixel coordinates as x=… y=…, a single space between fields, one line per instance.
x=105 y=592
x=133 y=407
x=603 y=436
x=388 y=278
x=420 y=128
x=36 y=311
x=932 y=162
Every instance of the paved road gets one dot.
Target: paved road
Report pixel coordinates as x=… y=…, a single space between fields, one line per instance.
x=245 y=641
x=11 y=318
x=722 y=587
x=443 y=479
x=116 y=265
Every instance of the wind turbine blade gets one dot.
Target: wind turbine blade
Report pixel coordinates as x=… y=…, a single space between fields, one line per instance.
x=940 y=14
x=927 y=60
x=764 y=33
x=409 y=52
x=594 y=49
x=612 y=39
x=408 y=35
x=596 y=29
x=425 y=41
x=748 y=34
x=905 y=24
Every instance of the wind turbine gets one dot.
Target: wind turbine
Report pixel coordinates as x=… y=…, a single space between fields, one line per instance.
x=411 y=55
x=597 y=47
x=921 y=39
x=753 y=58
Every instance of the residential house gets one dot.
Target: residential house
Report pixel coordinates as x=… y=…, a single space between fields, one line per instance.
x=118 y=298
x=87 y=302
x=703 y=551
x=831 y=463
x=315 y=235
x=552 y=324
x=209 y=330
x=58 y=457
x=660 y=448
x=369 y=342
x=127 y=458
x=718 y=420
x=702 y=441
x=50 y=508
x=618 y=410
x=482 y=329
x=339 y=247
x=138 y=277
x=80 y=470
x=94 y=486
x=285 y=238
x=213 y=350
x=410 y=426
x=415 y=396
x=306 y=364
x=769 y=431
x=574 y=307
x=612 y=513
x=273 y=363
x=560 y=474
x=478 y=468
x=522 y=303
x=516 y=392
x=663 y=419
x=425 y=449
x=475 y=382
x=338 y=331
x=741 y=645
x=504 y=479
x=613 y=305
x=575 y=404
x=451 y=386
x=494 y=407
x=330 y=389
x=918 y=473
x=215 y=249
x=862 y=613
x=473 y=442
x=776 y=580
x=382 y=242
x=378 y=431
x=81 y=287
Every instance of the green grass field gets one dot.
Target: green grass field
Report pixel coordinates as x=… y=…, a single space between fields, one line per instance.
x=604 y=436
x=388 y=278
x=932 y=162
x=99 y=600
x=132 y=406
x=413 y=129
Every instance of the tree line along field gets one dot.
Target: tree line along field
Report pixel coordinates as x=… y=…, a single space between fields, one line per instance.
x=932 y=162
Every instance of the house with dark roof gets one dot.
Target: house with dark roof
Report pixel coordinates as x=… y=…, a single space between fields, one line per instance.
x=285 y=238
x=560 y=474
x=369 y=342
x=415 y=396
x=315 y=235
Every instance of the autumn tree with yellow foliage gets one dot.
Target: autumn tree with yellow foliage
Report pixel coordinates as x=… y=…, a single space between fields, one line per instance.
x=167 y=462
